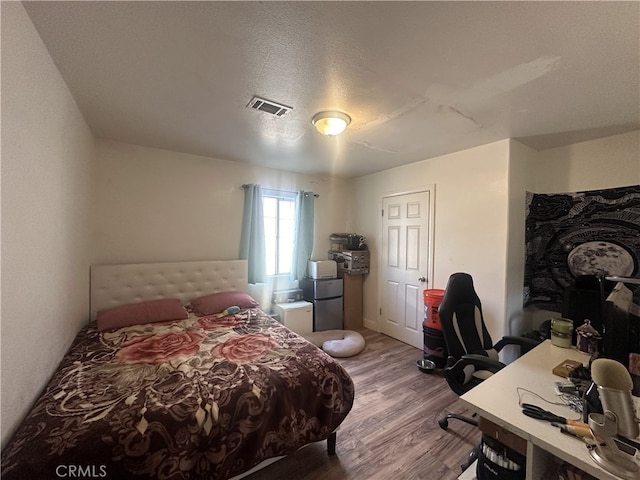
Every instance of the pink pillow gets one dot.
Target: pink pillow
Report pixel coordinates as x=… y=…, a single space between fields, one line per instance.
x=218 y=302
x=144 y=312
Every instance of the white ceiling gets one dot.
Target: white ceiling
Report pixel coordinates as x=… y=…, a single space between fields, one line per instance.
x=419 y=79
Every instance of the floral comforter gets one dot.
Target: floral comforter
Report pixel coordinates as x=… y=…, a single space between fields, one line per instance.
x=204 y=397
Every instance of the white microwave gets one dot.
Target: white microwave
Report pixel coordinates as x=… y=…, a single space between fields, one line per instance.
x=318 y=269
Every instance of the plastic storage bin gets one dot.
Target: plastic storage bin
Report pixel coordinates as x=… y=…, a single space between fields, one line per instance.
x=498 y=462
x=432 y=299
x=435 y=347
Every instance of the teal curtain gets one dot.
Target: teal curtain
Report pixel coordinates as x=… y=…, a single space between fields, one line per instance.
x=252 y=245
x=303 y=234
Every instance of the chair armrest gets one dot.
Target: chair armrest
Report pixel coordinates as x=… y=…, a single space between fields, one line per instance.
x=481 y=362
x=524 y=343
x=455 y=374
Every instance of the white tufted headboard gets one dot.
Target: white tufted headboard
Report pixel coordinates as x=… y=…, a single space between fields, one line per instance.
x=113 y=285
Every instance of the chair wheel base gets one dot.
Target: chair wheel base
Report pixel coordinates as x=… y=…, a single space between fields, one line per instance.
x=444 y=423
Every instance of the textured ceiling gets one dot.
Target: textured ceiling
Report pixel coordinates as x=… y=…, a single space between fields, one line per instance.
x=419 y=79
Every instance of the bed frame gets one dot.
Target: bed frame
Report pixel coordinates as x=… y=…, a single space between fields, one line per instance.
x=114 y=285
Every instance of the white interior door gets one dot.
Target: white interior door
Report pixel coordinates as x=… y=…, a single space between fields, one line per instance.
x=406 y=264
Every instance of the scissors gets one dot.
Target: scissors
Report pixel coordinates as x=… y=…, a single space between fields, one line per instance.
x=534 y=411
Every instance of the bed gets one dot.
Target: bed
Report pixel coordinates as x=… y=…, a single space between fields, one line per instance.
x=209 y=395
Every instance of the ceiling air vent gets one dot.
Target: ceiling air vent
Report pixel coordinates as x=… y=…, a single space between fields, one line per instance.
x=268 y=106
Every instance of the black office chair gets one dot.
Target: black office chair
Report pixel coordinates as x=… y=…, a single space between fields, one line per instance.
x=472 y=356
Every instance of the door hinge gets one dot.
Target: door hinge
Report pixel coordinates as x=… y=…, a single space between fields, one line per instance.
x=383 y=212
x=380 y=310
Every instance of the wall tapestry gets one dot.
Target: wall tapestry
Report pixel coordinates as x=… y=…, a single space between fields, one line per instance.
x=583 y=233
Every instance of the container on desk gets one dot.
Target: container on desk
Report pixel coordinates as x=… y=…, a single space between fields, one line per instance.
x=588 y=339
x=561 y=332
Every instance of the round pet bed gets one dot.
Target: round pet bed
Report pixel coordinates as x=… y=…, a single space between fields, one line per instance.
x=338 y=343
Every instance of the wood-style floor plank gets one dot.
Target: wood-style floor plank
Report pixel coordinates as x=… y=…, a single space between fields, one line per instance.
x=392 y=431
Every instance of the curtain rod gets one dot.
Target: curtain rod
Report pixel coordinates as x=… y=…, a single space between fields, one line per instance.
x=247 y=185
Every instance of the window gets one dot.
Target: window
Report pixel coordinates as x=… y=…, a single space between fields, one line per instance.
x=279 y=211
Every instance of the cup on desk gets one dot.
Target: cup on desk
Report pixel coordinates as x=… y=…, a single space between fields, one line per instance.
x=561 y=332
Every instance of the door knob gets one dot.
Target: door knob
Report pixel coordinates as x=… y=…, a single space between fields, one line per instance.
x=422 y=279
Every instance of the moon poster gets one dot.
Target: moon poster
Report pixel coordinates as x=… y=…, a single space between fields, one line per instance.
x=583 y=233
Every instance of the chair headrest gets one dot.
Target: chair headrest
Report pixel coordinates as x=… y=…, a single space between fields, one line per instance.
x=460 y=290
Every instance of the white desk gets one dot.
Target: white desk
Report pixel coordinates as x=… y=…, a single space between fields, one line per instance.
x=496 y=399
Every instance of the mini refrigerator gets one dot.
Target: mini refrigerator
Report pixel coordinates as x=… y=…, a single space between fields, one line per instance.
x=326 y=297
x=296 y=316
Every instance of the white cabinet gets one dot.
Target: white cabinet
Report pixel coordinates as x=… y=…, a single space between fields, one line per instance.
x=296 y=316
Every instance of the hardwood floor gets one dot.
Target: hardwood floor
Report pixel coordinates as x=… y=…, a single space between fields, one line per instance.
x=391 y=432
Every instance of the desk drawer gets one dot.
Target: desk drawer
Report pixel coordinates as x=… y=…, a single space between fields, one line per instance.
x=505 y=437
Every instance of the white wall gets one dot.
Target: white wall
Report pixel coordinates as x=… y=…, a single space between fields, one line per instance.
x=471 y=214
x=522 y=179
x=480 y=212
x=596 y=164
x=47 y=152
x=156 y=205
x=603 y=163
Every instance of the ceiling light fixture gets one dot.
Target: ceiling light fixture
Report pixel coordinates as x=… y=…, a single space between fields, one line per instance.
x=331 y=123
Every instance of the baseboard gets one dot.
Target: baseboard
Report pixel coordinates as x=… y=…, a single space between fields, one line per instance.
x=370 y=324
